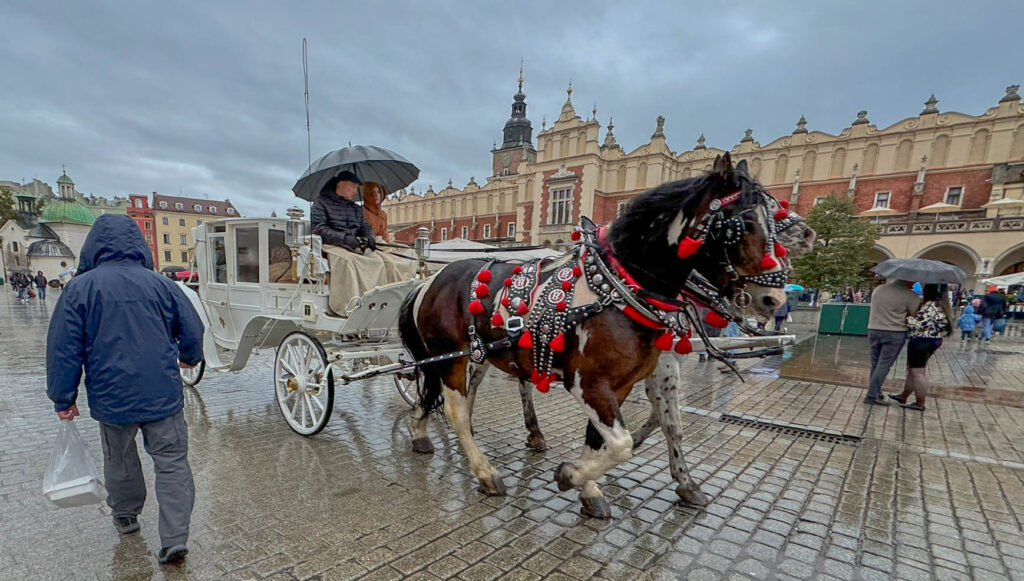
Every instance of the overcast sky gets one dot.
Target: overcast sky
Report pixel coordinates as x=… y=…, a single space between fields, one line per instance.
x=207 y=99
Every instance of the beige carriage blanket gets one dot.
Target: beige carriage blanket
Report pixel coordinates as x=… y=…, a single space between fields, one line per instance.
x=353 y=273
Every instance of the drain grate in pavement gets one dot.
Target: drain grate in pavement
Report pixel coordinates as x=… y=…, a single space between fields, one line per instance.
x=827 y=436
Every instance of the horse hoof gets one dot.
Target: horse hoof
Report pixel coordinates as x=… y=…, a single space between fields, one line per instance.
x=422 y=446
x=536 y=443
x=493 y=486
x=563 y=477
x=693 y=496
x=596 y=507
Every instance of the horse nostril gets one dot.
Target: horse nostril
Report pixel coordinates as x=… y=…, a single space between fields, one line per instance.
x=771 y=302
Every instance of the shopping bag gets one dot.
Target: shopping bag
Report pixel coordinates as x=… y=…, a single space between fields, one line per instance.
x=999 y=325
x=31 y=293
x=71 y=478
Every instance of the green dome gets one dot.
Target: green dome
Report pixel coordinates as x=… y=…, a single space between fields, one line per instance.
x=69 y=211
x=64 y=179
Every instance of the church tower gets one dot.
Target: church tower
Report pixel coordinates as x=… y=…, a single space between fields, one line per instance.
x=517 y=139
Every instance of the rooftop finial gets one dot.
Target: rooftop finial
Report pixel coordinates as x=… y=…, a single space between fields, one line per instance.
x=930 y=105
x=544 y=123
x=862 y=118
x=748 y=135
x=595 y=111
x=568 y=91
x=1011 y=94
x=700 y=142
x=520 y=74
x=801 y=126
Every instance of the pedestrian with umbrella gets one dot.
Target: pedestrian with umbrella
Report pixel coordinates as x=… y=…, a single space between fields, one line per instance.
x=933 y=322
x=332 y=184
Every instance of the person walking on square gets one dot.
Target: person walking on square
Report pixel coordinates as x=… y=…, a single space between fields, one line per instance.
x=130 y=330
x=933 y=321
x=40 y=280
x=968 y=320
x=993 y=307
x=891 y=304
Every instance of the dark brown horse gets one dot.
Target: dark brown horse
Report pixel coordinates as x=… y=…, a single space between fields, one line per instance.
x=719 y=225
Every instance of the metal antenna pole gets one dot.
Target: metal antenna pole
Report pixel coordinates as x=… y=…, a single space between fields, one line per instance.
x=309 y=144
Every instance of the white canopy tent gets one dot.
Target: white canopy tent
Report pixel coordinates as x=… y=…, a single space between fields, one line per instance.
x=1006 y=279
x=440 y=251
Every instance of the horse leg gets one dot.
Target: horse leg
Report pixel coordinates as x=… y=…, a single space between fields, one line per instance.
x=421 y=443
x=535 y=440
x=665 y=403
x=667 y=372
x=457 y=408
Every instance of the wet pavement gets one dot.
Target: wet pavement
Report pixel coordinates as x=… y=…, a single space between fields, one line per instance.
x=938 y=495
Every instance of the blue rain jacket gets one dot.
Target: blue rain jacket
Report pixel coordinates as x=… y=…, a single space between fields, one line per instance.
x=126 y=325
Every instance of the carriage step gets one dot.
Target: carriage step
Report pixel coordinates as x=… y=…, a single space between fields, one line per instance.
x=817 y=434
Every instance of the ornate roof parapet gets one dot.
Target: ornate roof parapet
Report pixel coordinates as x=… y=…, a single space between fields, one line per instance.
x=609 y=138
x=801 y=126
x=568 y=111
x=930 y=106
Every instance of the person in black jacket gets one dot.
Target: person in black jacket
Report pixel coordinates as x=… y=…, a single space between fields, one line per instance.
x=348 y=241
x=993 y=307
x=40 y=280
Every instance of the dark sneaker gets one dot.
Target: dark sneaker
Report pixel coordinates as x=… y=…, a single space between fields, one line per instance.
x=126 y=524
x=172 y=555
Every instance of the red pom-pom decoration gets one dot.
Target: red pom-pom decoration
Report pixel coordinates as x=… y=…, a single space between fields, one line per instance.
x=535 y=376
x=566 y=285
x=716 y=320
x=561 y=306
x=688 y=247
x=484 y=276
x=482 y=291
x=476 y=308
x=575 y=236
x=523 y=309
x=781 y=215
x=545 y=383
x=664 y=342
x=558 y=343
x=525 y=340
x=505 y=302
x=684 y=346
x=497 y=320
x=507 y=282
x=517 y=269
x=577 y=271
x=780 y=250
x=767 y=262
x=784 y=204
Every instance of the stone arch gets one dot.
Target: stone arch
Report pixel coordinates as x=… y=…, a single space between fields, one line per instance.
x=687 y=173
x=903 y=152
x=641 y=175
x=1017 y=149
x=546 y=243
x=564 y=149
x=870 y=159
x=954 y=253
x=1010 y=261
x=620 y=179
x=838 y=162
x=807 y=170
x=940 y=151
x=781 y=167
x=878 y=253
x=979 y=146
x=581 y=143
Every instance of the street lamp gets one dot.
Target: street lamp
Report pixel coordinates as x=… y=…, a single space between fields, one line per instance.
x=3 y=258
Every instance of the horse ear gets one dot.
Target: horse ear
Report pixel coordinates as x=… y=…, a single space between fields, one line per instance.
x=722 y=165
x=741 y=167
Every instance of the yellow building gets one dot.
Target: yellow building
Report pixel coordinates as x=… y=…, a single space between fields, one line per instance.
x=175 y=216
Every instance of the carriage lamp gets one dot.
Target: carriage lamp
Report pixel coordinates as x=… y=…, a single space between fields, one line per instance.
x=293 y=231
x=422 y=248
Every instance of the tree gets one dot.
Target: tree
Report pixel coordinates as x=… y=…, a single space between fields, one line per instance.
x=841 y=249
x=8 y=210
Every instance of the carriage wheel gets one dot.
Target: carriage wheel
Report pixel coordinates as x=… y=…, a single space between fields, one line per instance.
x=193 y=375
x=408 y=383
x=304 y=383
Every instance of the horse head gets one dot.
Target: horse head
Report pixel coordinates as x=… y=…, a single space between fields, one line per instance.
x=720 y=225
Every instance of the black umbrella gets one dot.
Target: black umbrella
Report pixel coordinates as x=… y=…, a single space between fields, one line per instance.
x=369 y=163
x=920 y=270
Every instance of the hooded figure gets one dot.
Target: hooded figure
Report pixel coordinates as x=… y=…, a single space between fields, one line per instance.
x=373 y=195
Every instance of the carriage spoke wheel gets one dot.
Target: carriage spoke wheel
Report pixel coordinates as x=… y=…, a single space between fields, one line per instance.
x=304 y=383
x=191 y=376
x=408 y=383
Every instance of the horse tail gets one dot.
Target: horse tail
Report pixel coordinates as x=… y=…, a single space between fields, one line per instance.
x=430 y=388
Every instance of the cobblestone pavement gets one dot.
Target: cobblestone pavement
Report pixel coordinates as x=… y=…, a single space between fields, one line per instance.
x=937 y=495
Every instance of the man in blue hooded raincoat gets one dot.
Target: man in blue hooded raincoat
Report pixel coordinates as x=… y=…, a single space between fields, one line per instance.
x=130 y=330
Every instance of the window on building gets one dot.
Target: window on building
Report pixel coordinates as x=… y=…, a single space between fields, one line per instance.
x=182 y=239
x=819 y=200
x=213 y=209
x=14 y=246
x=882 y=199
x=511 y=232
x=184 y=256
x=149 y=238
x=197 y=207
x=487 y=230
x=465 y=232
x=231 y=211
x=444 y=234
x=149 y=225
x=621 y=207
x=167 y=255
x=247 y=265
x=561 y=206
x=181 y=221
x=179 y=206
x=138 y=203
x=163 y=206
x=164 y=219
x=167 y=240
x=954 y=195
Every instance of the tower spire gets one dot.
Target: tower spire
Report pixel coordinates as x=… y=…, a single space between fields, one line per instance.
x=520 y=74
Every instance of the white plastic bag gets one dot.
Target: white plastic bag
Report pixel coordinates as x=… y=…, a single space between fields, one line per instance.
x=71 y=478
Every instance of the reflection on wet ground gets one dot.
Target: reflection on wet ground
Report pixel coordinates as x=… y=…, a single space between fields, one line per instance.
x=938 y=495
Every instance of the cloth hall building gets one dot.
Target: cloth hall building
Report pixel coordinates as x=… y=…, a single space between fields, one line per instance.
x=941 y=184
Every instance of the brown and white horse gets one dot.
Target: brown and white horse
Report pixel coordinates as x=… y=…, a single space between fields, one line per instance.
x=723 y=219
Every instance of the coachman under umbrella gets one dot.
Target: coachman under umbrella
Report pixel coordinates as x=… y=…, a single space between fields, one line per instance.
x=368 y=162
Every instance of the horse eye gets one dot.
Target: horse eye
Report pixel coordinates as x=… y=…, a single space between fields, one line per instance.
x=748 y=227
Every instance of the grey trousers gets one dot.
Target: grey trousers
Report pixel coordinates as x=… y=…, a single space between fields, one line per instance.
x=885 y=348
x=166 y=441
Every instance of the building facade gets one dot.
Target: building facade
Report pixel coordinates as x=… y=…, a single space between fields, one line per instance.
x=173 y=220
x=140 y=211
x=942 y=185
